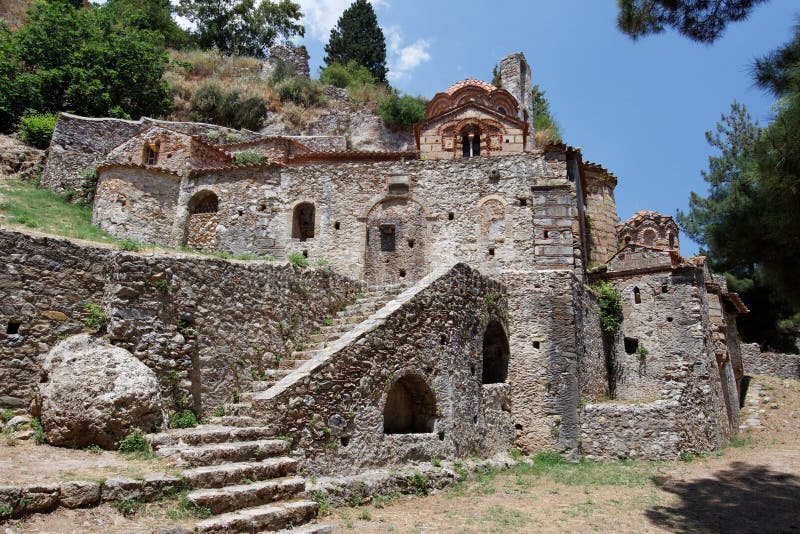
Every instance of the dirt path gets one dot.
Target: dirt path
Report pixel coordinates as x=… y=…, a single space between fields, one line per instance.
x=753 y=486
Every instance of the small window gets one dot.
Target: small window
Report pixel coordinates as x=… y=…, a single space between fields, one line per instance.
x=631 y=345
x=491 y=251
x=502 y=110
x=398 y=189
x=451 y=216
x=13 y=328
x=637 y=296
x=387 y=238
x=536 y=344
x=336 y=225
x=151 y=154
x=411 y=243
x=495 y=354
x=523 y=201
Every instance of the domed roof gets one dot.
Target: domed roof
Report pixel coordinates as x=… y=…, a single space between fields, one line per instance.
x=470 y=82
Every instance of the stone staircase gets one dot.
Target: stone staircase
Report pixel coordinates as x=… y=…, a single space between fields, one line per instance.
x=234 y=466
x=240 y=413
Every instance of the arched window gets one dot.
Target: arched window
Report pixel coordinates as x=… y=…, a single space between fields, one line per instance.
x=637 y=296
x=476 y=145
x=649 y=237
x=495 y=354
x=502 y=110
x=465 y=146
x=204 y=202
x=410 y=407
x=303 y=221
x=470 y=141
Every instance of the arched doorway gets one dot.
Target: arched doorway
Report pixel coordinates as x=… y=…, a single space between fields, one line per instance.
x=495 y=354
x=410 y=407
x=201 y=226
x=396 y=242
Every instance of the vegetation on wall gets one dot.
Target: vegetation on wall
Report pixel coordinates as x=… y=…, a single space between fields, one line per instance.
x=37 y=128
x=399 y=111
x=546 y=129
x=357 y=37
x=213 y=103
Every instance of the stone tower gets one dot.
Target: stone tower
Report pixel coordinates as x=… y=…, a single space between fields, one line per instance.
x=515 y=75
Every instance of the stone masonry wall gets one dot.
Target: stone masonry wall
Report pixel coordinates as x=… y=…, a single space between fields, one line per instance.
x=602 y=218
x=770 y=363
x=79 y=143
x=206 y=326
x=495 y=213
x=670 y=399
x=333 y=408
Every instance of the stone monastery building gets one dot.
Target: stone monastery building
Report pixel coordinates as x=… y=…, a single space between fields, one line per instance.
x=476 y=329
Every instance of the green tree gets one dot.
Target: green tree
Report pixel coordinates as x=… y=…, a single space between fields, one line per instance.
x=242 y=27
x=357 y=37
x=153 y=15
x=699 y=20
x=546 y=129
x=84 y=61
x=740 y=224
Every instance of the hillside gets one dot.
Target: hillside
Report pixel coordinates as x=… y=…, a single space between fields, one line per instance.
x=12 y=12
x=294 y=105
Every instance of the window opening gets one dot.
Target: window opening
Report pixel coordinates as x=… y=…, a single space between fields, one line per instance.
x=13 y=328
x=495 y=354
x=303 y=221
x=387 y=238
x=637 y=296
x=204 y=202
x=151 y=154
x=631 y=345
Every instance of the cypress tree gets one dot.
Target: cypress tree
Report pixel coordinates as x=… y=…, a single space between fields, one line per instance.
x=357 y=37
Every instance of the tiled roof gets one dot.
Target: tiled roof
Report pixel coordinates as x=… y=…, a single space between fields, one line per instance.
x=470 y=82
x=596 y=167
x=638 y=217
x=207 y=170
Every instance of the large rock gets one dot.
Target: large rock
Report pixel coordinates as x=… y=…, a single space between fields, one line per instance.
x=96 y=393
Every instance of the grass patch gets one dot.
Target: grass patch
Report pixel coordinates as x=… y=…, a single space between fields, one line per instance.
x=585 y=473
x=183 y=419
x=38 y=431
x=27 y=205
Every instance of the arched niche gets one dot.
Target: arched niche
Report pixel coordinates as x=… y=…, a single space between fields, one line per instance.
x=410 y=407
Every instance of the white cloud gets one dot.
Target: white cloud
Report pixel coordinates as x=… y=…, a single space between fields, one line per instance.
x=320 y=16
x=404 y=59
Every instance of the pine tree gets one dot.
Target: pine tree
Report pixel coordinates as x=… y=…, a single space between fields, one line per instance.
x=357 y=37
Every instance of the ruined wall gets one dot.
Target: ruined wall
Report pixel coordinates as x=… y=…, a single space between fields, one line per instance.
x=513 y=212
x=79 y=143
x=770 y=363
x=294 y=57
x=543 y=370
x=667 y=376
x=592 y=365
x=137 y=204
x=206 y=326
x=515 y=74
x=334 y=408
x=601 y=216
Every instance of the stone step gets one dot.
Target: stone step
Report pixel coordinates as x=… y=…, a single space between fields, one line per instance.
x=305 y=354
x=268 y=518
x=230 y=498
x=263 y=385
x=238 y=408
x=291 y=363
x=218 y=476
x=235 y=420
x=208 y=434
x=316 y=528
x=217 y=453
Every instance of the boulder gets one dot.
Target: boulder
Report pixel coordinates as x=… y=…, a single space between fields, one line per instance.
x=95 y=394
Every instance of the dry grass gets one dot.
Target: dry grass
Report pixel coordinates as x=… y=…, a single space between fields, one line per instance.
x=190 y=69
x=13 y=12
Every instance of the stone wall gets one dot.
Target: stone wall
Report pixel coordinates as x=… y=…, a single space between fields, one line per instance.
x=295 y=57
x=671 y=395
x=207 y=326
x=495 y=213
x=515 y=74
x=79 y=143
x=770 y=363
x=433 y=335
x=602 y=218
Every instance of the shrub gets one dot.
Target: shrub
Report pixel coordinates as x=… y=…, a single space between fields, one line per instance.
x=95 y=316
x=399 y=111
x=183 y=419
x=212 y=103
x=38 y=431
x=420 y=483
x=344 y=76
x=610 y=307
x=127 y=507
x=6 y=414
x=130 y=245
x=134 y=442
x=298 y=260
x=247 y=156
x=37 y=128
x=301 y=91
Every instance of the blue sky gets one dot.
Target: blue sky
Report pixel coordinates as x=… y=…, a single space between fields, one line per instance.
x=640 y=109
